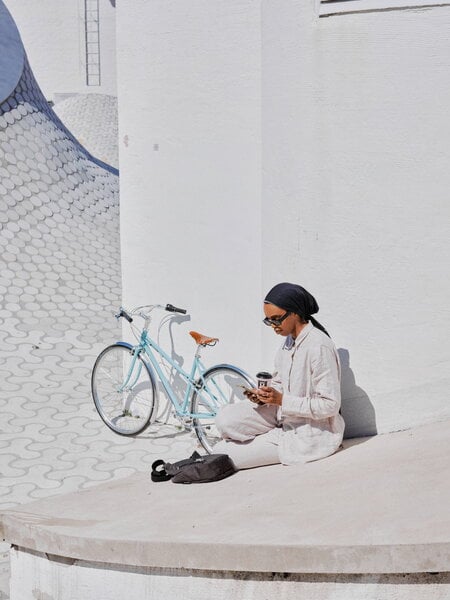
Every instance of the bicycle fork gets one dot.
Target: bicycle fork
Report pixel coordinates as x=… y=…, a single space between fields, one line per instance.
x=131 y=378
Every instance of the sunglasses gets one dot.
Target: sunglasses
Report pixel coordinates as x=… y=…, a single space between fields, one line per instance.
x=275 y=321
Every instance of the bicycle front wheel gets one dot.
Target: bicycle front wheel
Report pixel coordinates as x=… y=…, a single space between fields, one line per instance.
x=219 y=386
x=123 y=390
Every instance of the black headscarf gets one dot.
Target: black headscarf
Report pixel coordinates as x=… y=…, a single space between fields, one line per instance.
x=295 y=299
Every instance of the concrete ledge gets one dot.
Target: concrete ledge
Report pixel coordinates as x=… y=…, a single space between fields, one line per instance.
x=379 y=506
x=34 y=575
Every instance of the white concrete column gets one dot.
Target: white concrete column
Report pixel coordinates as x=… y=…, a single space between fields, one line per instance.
x=190 y=141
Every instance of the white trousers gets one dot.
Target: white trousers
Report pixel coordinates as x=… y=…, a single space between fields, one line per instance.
x=251 y=434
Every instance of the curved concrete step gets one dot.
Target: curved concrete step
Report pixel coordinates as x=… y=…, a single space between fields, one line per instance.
x=379 y=506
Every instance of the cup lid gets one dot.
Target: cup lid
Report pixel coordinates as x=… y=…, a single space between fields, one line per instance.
x=264 y=375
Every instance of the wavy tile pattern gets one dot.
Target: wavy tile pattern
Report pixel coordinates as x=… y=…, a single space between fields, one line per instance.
x=92 y=119
x=59 y=285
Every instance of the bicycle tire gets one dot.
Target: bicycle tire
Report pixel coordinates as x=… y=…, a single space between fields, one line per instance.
x=125 y=411
x=219 y=385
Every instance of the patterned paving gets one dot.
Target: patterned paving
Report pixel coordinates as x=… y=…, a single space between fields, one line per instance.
x=59 y=285
x=92 y=119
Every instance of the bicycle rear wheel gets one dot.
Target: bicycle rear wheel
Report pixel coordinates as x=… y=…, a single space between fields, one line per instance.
x=123 y=390
x=220 y=385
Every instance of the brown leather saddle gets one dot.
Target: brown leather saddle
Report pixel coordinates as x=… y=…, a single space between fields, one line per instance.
x=203 y=340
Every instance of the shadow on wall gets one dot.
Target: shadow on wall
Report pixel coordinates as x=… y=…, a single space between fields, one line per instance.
x=176 y=381
x=357 y=409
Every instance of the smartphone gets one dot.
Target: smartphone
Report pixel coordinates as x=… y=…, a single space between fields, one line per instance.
x=251 y=395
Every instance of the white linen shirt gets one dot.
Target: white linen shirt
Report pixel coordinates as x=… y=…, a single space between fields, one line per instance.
x=307 y=372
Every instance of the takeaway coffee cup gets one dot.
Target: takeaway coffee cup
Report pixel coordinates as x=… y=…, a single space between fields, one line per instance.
x=263 y=379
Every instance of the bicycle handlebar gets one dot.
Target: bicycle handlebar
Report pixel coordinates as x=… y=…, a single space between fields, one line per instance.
x=123 y=313
x=171 y=308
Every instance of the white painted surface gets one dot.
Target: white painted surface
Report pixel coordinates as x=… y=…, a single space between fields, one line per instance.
x=355 y=183
x=189 y=150
x=36 y=576
x=11 y=56
x=53 y=33
x=353 y=202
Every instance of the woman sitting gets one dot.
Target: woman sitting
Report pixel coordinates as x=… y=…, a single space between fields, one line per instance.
x=296 y=419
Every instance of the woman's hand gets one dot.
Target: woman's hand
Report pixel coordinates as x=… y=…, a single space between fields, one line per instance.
x=264 y=395
x=252 y=395
x=269 y=395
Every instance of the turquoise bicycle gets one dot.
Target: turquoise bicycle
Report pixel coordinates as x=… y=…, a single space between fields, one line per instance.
x=124 y=382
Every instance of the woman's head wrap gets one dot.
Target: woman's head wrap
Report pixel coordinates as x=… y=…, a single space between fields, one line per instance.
x=294 y=298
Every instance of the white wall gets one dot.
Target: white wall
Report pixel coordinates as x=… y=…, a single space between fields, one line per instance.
x=350 y=114
x=53 y=33
x=356 y=132
x=189 y=131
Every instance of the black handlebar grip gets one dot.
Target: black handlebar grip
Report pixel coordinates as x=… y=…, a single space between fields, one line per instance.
x=171 y=308
x=126 y=315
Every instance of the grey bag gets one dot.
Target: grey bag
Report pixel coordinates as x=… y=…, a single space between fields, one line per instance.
x=195 y=469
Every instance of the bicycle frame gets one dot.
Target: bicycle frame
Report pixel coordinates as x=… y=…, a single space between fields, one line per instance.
x=148 y=347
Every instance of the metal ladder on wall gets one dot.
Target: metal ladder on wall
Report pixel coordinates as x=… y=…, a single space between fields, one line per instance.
x=92 y=37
